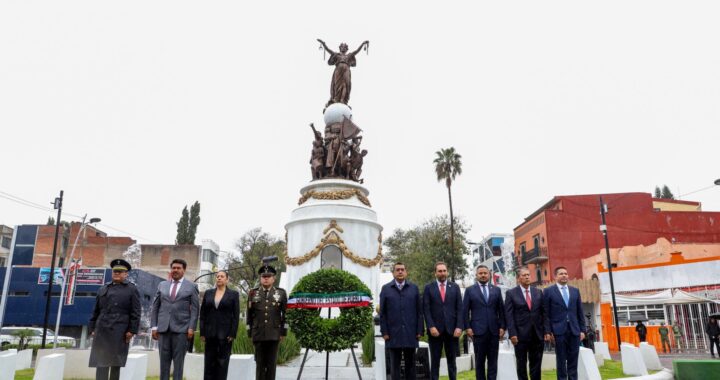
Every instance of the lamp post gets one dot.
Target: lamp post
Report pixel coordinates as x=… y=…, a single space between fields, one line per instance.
x=603 y=229
x=65 y=274
x=57 y=204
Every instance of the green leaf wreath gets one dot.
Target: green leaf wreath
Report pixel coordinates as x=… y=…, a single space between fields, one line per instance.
x=323 y=334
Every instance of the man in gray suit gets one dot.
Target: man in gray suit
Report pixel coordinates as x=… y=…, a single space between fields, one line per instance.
x=174 y=317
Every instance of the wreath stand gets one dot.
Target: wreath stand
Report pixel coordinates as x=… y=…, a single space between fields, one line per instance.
x=327 y=359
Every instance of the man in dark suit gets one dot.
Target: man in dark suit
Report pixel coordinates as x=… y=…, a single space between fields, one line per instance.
x=401 y=322
x=442 y=308
x=174 y=318
x=484 y=318
x=525 y=324
x=564 y=323
x=219 y=317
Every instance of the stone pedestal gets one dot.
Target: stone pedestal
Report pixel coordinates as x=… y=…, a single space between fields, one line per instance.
x=507 y=368
x=335 y=225
x=241 y=367
x=135 y=367
x=632 y=361
x=7 y=365
x=650 y=356
x=602 y=348
x=587 y=366
x=379 y=363
x=79 y=359
x=194 y=368
x=50 y=367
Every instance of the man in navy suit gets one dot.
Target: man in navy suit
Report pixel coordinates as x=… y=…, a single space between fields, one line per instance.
x=401 y=322
x=564 y=323
x=442 y=307
x=484 y=318
x=525 y=324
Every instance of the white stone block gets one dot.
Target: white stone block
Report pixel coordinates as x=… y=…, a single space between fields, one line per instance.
x=587 y=366
x=153 y=360
x=602 y=348
x=241 y=367
x=462 y=363
x=599 y=360
x=507 y=369
x=548 y=362
x=379 y=363
x=135 y=367
x=194 y=367
x=79 y=359
x=7 y=365
x=632 y=360
x=50 y=367
x=24 y=359
x=650 y=356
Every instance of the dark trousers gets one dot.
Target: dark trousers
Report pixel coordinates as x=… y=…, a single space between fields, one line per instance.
x=217 y=358
x=714 y=343
x=173 y=347
x=436 y=346
x=567 y=349
x=396 y=355
x=107 y=373
x=486 y=348
x=529 y=351
x=642 y=337
x=265 y=359
x=665 y=341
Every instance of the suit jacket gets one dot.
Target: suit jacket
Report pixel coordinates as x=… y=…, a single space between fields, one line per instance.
x=481 y=316
x=179 y=315
x=401 y=315
x=221 y=321
x=558 y=316
x=522 y=321
x=444 y=316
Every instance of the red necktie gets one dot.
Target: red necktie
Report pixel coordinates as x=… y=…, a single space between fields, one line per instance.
x=173 y=292
x=442 y=291
x=527 y=298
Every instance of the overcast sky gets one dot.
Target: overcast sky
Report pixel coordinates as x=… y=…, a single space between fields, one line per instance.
x=137 y=108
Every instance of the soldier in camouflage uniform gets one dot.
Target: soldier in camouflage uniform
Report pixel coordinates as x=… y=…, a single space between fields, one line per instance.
x=266 y=322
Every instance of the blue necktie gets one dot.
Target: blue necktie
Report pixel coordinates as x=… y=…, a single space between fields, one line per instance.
x=566 y=297
x=484 y=290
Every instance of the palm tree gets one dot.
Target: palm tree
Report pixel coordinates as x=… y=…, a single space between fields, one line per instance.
x=447 y=167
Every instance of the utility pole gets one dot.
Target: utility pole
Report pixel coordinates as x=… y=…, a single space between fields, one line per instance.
x=603 y=228
x=58 y=206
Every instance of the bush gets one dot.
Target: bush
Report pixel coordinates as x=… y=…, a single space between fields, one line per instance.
x=289 y=347
x=368 y=346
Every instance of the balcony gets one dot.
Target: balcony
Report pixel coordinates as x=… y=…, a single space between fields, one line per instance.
x=535 y=256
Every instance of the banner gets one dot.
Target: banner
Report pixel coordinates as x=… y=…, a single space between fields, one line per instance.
x=85 y=276
x=72 y=280
x=321 y=300
x=44 y=276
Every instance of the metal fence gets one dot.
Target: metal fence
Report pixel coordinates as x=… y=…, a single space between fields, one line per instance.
x=692 y=320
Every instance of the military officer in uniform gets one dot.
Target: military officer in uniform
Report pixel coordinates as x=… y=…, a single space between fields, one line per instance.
x=266 y=322
x=114 y=321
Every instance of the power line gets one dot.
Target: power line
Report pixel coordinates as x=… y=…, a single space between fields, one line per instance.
x=27 y=203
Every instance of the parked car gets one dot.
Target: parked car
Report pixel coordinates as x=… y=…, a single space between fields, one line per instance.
x=8 y=336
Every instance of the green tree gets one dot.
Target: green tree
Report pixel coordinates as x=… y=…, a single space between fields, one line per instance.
x=658 y=192
x=448 y=165
x=420 y=247
x=252 y=247
x=182 y=224
x=50 y=221
x=666 y=193
x=193 y=223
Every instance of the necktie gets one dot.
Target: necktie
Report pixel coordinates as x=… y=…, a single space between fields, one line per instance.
x=173 y=292
x=484 y=290
x=565 y=295
x=527 y=298
x=442 y=291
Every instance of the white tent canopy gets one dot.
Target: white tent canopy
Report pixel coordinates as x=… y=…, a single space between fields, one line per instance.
x=665 y=297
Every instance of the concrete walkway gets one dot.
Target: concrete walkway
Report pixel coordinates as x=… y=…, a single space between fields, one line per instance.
x=341 y=367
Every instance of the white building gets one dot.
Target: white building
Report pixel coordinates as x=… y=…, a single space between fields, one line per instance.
x=208 y=264
x=6 y=234
x=495 y=252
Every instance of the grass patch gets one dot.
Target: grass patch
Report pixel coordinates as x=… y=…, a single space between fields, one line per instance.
x=611 y=370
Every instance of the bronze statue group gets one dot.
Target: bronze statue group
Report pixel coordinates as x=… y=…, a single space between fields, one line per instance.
x=176 y=312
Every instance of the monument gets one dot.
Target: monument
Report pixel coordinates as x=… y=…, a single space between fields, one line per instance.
x=334 y=225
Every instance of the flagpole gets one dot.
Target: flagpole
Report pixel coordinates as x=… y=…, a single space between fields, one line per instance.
x=61 y=301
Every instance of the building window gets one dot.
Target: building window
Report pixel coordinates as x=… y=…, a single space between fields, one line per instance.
x=653 y=314
x=209 y=256
x=2 y=262
x=331 y=257
x=536 y=241
x=522 y=248
x=6 y=242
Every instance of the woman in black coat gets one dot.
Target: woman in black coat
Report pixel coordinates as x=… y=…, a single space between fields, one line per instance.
x=219 y=316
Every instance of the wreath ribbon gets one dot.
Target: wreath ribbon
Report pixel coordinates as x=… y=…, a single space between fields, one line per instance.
x=322 y=300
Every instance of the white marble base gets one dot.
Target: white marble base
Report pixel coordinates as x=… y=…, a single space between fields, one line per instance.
x=50 y=367
x=379 y=364
x=632 y=360
x=599 y=360
x=548 y=362
x=153 y=360
x=462 y=363
x=7 y=365
x=650 y=356
x=587 y=366
x=664 y=374
x=241 y=367
x=194 y=368
x=135 y=367
x=507 y=369
x=79 y=359
x=602 y=348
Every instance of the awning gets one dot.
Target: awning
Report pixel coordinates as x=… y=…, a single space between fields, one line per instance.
x=665 y=297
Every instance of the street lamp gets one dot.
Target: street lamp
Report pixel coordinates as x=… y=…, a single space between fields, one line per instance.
x=83 y=224
x=717 y=182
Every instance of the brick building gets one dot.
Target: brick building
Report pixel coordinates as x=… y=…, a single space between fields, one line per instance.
x=565 y=230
